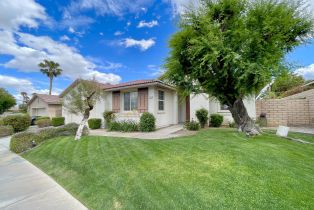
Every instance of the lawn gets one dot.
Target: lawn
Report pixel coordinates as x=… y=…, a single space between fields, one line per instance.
x=217 y=168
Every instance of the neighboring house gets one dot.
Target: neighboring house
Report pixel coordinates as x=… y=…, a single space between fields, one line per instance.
x=45 y=105
x=128 y=100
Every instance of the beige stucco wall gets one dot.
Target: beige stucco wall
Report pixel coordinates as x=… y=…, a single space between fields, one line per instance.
x=38 y=108
x=213 y=106
x=167 y=117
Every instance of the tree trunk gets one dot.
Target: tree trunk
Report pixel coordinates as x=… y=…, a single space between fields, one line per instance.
x=80 y=129
x=242 y=119
x=50 y=88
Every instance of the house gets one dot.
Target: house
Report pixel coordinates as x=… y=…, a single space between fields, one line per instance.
x=45 y=105
x=128 y=100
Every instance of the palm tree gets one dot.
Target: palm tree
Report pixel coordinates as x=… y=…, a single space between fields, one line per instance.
x=50 y=69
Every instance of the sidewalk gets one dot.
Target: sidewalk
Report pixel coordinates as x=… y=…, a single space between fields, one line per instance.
x=24 y=186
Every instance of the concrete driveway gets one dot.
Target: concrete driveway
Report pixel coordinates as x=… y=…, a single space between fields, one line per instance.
x=24 y=186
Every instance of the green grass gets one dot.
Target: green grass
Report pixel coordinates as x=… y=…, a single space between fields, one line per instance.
x=217 y=168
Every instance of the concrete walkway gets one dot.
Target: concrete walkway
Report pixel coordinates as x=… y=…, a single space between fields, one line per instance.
x=162 y=133
x=306 y=130
x=24 y=186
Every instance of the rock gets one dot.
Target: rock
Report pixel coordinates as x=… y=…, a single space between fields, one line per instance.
x=282 y=131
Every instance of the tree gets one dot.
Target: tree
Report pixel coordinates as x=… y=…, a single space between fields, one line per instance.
x=6 y=100
x=286 y=81
x=81 y=100
x=51 y=69
x=230 y=49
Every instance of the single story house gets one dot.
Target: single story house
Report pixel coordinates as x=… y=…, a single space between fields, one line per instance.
x=45 y=105
x=128 y=100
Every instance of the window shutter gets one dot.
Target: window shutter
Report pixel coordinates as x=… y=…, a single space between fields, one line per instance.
x=116 y=101
x=142 y=100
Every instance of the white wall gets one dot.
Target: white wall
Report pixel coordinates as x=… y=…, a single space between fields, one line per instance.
x=197 y=102
x=38 y=108
x=249 y=103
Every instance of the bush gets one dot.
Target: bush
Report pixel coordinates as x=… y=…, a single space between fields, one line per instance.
x=18 y=122
x=232 y=124
x=23 y=141
x=57 y=121
x=6 y=130
x=216 y=120
x=1 y=121
x=147 y=122
x=109 y=116
x=192 y=126
x=94 y=123
x=43 y=123
x=124 y=126
x=42 y=118
x=202 y=116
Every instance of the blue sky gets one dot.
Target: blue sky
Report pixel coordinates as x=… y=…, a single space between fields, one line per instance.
x=115 y=41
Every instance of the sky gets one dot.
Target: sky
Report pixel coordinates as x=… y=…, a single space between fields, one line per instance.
x=111 y=40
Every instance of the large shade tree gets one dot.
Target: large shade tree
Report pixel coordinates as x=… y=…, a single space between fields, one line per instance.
x=81 y=100
x=230 y=49
x=51 y=69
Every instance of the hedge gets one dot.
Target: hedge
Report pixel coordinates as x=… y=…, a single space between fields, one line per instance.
x=18 y=122
x=202 y=116
x=43 y=123
x=6 y=130
x=94 y=123
x=147 y=122
x=23 y=141
x=192 y=126
x=57 y=121
x=216 y=120
x=109 y=116
x=124 y=126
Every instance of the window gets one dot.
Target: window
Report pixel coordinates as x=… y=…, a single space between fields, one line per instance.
x=161 y=100
x=223 y=107
x=130 y=101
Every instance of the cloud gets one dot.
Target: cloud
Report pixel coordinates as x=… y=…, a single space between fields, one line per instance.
x=13 y=14
x=143 y=44
x=147 y=24
x=107 y=7
x=118 y=33
x=180 y=6
x=65 y=38
x=155 y=71
x=23 y=85
x=28 y=50
x=307 y=72
x=76 y=22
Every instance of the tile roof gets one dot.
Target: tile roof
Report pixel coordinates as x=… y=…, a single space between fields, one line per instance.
x=49 y=99
x=135 y=83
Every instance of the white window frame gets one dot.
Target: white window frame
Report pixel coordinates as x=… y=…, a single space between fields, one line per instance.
x=135 y=96
x=161 y=100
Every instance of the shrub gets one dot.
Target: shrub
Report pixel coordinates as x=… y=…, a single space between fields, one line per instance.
x=109 y=116
x=94 y=123
x=43 y=123
x=42 y=118
x=192 y=126
x=23 y=141
x=216 y=120
x=18 y=122
x=57 y=121
x=202 y=116
x=124 y=126
x=232 y=124
x=6 y=130
x=147 y=122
